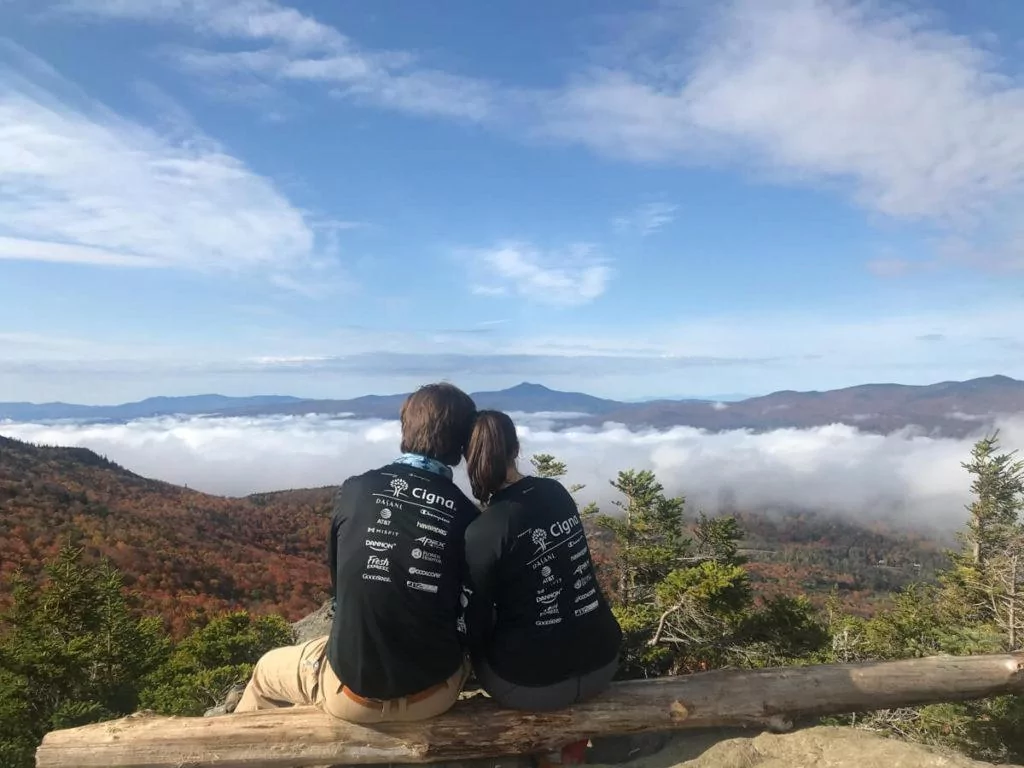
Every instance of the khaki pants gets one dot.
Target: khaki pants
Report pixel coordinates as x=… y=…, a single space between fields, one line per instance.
x=301 y=674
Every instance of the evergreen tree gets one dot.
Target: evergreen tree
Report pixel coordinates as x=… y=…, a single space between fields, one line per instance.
x=649 y=535
x=71 y=653
x=975 y=608
x=213 y=658
x=986 y=583
x=546 y=465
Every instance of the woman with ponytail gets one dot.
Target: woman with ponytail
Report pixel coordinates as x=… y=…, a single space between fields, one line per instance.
x=541 y=633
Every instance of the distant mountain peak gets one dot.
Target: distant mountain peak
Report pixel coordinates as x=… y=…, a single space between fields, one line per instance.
x=529 y=386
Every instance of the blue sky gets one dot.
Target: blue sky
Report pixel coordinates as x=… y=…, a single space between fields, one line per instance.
x=631 y=199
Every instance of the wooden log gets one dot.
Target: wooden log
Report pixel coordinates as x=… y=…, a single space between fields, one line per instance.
x=300 y=737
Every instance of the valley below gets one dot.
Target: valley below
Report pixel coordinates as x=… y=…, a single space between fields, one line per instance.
x=186 y=555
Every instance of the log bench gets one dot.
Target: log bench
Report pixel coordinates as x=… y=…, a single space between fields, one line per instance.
x=302 y=737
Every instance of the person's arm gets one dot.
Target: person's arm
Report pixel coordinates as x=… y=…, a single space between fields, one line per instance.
x=484 y=545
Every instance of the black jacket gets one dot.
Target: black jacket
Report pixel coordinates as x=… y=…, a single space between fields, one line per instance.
x=397 y=569
x=536 y=612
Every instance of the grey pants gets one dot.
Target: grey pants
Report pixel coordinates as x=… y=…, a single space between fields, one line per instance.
x=547 y=697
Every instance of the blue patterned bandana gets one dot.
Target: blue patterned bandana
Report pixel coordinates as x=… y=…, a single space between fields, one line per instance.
x=425 y=463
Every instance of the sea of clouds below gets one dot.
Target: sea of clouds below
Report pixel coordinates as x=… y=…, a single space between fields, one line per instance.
x=904 y=478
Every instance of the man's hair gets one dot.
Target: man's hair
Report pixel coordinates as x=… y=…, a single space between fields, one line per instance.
x=436 y=422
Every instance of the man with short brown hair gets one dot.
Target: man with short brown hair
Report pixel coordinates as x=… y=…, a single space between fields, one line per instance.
x=397 y=568
x=437 y=420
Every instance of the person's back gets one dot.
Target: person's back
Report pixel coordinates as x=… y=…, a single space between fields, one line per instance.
x=397 y=573
x=396 y=557
x=543 y=634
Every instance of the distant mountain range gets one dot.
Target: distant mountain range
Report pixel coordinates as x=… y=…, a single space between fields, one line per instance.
x=953 y=408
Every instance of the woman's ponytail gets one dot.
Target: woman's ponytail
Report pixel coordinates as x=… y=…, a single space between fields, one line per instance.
x=493 y=446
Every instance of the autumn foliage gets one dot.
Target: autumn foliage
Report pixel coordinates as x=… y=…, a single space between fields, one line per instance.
x=186 y=554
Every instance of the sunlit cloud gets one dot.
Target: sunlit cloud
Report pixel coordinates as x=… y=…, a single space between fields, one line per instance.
x=83 y=185
x=901 y=478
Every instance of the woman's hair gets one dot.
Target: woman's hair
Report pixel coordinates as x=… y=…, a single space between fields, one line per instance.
x=493 y=446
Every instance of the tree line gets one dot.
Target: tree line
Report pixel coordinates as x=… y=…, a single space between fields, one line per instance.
x=73 y=651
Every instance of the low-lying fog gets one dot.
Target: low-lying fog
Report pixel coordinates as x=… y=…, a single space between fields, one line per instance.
x=904 y=477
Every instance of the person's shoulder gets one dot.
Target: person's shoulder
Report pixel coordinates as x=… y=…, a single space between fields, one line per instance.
x=367 y=481
x=550 y=488
x=352 y=482
x=511 y=509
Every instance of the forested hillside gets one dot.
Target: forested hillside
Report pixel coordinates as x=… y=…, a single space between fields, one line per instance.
x=184 y=552
x=74 y=648
x=187 y=553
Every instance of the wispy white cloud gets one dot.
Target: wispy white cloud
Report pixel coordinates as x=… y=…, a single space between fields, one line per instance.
x=294 y=47
x=567 y=278
x=916 y=120
x=646 y=219
x=83 y=185
x=913 y=120
x=20 y=249
x=248 y=19
x=902 y=478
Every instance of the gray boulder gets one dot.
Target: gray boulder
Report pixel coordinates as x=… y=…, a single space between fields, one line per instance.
x=316 y=624
x=821 y=747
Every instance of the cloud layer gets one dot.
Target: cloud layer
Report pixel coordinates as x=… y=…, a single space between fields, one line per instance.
x=900 y=478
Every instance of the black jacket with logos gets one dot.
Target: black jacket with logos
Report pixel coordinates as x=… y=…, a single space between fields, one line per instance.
x=536 y=612
x=397 y=569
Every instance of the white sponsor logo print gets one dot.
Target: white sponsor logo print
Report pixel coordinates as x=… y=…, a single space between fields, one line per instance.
x=430 y=557
x=545 y=622
x=418 y=572
x=549 y=577
x=432 y=498
x=380 y=563
x=376 y=577
x=540 y=539
x=435 y=516
x=543 y=559
x=586 y=608
x=577 y=540
x=580 y=583
x=421 y=586
x=380 y=546
x=398 y=487
x=589 y=593
x=426 y=541
x=431 y=528
x=581 y=568
x=550 y=597
x=460 y=625
x=578 y=554
x=551 y=610
x=382 y=532
x=385 y=514
x=564 y=527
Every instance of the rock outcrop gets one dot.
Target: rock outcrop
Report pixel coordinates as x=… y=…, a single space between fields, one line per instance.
x=315 y=624
x=821 y=747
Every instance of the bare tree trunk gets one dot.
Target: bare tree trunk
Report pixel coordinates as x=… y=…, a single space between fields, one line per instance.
x=1012 y=608
x=300 y=737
